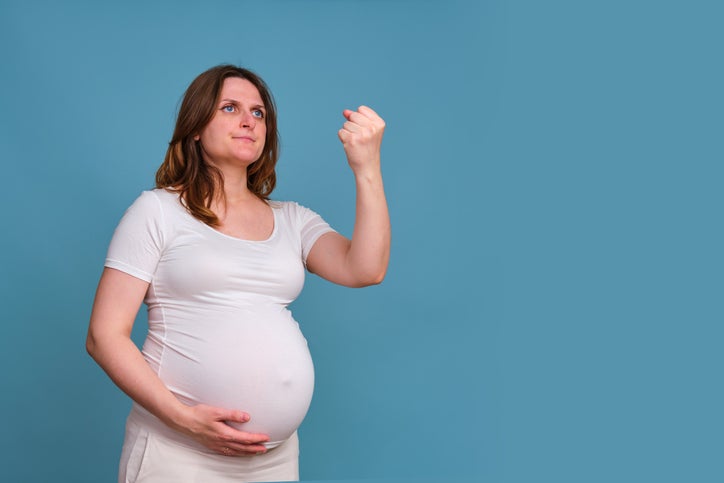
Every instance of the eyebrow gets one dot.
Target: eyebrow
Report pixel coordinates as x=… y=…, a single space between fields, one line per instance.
x=234 y=101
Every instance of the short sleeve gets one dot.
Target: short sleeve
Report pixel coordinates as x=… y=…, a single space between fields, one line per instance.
x=311 y=227
x=137 y=243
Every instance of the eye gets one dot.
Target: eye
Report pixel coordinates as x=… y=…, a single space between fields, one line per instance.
x=258 y=113
x=228 y=108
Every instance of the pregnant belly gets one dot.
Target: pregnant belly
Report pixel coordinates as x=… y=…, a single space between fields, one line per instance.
x=256 y=362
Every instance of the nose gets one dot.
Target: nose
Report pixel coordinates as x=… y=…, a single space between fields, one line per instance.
x=247 y=120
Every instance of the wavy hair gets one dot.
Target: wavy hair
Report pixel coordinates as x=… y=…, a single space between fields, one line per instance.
x=184 y=169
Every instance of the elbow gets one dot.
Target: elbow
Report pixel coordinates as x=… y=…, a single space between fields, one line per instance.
x=378 y=278
x=376 y=275
x=370 y=279
x=91 y=346
x=372 y=273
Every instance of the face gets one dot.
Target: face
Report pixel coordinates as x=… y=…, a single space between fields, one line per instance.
x=236 y=134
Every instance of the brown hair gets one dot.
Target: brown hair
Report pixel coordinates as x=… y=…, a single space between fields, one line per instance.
x=184 y=169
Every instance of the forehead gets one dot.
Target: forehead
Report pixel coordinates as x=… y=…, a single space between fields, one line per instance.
x=240 y=89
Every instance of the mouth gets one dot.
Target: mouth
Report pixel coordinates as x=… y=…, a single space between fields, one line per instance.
x=244 y=138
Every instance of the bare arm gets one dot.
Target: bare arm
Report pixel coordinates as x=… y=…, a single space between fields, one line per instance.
x=117 y=301
x=362 y=260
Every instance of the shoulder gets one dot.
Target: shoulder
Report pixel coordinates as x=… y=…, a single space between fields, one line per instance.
x=289 y=207
x=293 y=212
x=156 y=200
x=151 y=208
x=304 y=220
x=163 y=196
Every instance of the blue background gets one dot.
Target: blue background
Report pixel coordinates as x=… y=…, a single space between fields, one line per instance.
x=553 y=308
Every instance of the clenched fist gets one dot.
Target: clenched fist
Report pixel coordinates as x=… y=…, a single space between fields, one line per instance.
x=361 y=137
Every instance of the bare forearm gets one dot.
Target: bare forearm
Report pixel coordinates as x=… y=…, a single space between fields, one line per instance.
x=123 y=362
x=125 y=365
x=109 y=342
x=362 y=260
x=369 y=251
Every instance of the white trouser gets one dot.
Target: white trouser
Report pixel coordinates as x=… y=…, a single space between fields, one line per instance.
x=154 y=453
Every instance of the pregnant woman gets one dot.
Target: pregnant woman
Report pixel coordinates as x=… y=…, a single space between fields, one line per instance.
x=225 y=377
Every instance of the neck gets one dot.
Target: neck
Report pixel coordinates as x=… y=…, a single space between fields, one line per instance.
x=235 y=184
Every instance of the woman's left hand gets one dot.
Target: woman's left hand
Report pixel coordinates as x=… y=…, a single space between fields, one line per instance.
x=362 y=260
x=361 y=137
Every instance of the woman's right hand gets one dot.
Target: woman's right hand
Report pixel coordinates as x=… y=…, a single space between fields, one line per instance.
x=207 y=425
x=117 y=301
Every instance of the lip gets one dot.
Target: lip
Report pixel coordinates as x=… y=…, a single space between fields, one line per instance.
x=244 y=138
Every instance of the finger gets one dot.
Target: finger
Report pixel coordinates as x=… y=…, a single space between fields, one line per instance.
x=351 y=127
x=247 y=447
x=366 y=118
x=234 y=436
x=247 y=442
x=368 y=112
x=362 y=114
x=359 y=119
x=345 y=136
x=239 y=450
x=253 y=438
x=221 y=414
x=234 y=416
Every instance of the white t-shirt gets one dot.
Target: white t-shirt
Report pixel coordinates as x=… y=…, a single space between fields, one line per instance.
x=219 y=331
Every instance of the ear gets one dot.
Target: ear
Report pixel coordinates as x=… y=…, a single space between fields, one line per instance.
x=197 y=137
